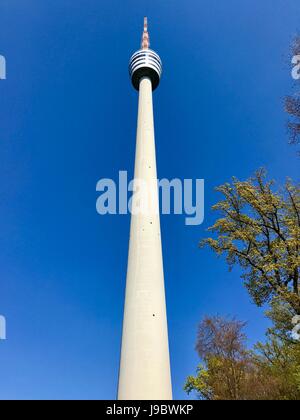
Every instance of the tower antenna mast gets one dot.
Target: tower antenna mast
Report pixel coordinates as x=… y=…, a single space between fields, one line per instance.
x=145 y=37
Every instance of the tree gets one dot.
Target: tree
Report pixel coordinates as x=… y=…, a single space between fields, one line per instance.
x=279 y=356
x=292 y=107
x=229 y=371
x=260 y=230
x=220 y=344
x=280 y=361
x=281 y=316
x=292 y=104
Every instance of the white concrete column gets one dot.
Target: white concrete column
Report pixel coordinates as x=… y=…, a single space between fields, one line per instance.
x=145 y=365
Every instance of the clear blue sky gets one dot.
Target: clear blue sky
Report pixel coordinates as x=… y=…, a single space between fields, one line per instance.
x=68 y=118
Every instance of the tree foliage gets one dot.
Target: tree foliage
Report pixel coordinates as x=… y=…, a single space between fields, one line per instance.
x=221 y=346
x=292 y=107
x=229 y=371
x=281 y=316
x=259 y=229
x=280 y=361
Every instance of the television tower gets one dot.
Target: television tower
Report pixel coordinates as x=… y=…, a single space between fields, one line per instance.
x=145 y=362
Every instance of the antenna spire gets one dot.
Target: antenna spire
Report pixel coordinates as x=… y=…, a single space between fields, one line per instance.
x=145 y=38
